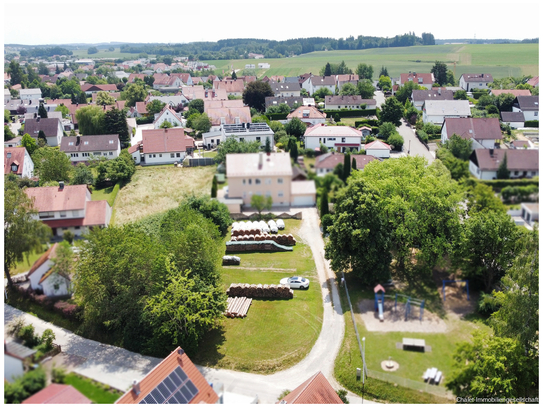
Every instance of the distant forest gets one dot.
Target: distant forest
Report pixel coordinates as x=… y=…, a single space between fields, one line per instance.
x=241 y=48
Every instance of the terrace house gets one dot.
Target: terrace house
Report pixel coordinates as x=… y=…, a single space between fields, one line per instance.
x=84 y=148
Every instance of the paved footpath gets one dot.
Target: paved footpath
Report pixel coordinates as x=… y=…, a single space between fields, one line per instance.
x=118 y=367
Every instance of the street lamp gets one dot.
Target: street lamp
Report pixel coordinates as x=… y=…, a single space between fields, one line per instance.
x=409 y=149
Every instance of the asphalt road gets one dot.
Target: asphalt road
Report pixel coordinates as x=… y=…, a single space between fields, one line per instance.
x=412 y=145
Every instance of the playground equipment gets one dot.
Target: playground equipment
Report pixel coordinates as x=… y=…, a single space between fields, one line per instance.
x=380 y=300
x=455 y=281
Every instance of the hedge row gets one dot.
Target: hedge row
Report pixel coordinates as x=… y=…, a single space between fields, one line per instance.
x=532 y=123
x=350 y=112
x=366 y=122
x=502 y=183
x=145 y=120
x=276 y=116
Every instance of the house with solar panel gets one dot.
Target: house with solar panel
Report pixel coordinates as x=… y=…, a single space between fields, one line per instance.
x=175 y=380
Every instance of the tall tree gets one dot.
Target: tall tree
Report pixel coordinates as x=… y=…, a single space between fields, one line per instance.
x=260 y=203
x=232 y=146
x=365 y=89
x=353 y=164
x=391 y=111
x=267 y=148
x=42 y=112
x=488 y=247
x=385 y=83
x=29 y=143
x=293 y=149
x=115 y=123
x=348 y=89
x=346 y=166
x=383 y=71
x=82 y=175
x=295 y=127
x=51 y=164
x=234 y=76
x=23 y=233
x=503 y=171
x=255 y=94
x=327 y=69
x=364 y=71
x=104 y=98
x=459 y=147
x=440 y=72
x=133 y=93
x=90 y=120
x=214 y=187
x=15 y=72
x=324 y=207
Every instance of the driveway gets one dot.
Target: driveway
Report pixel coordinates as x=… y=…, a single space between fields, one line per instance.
x=139 y=135
x=412 y=145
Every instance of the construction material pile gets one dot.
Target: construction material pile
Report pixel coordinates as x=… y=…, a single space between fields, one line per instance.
x=260 y=291
x=285 y=240
x=231 y=260
x=237 y=307
x=234 y=246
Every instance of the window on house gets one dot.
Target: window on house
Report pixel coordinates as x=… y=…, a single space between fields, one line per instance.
x=257 y=181
x=268 y=181
x=56 y=286
x=110 y=141
x=103 y=154
x=258 y=139
x=86 y=142
x=178 y=154
x=241 y=139
x=172 y=155
x=46 y=215
x=111 y=153
x=160 y=155
x=71 y=143
x=343 y=139
x=280 y=194
x=279 y=180
x=243 y=182
x=77 y=227
x=250 y=181
x=62 y=214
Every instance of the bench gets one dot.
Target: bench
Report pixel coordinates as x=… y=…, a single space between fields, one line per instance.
x=414 y=344
x=437 y=378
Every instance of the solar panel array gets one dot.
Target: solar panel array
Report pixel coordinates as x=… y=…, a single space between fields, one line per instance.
x=177 y=388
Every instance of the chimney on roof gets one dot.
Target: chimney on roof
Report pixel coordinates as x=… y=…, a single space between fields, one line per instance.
x=61 y=185
x=439 y=91
x=136 y=387
x=491 y=152
x=260 y=160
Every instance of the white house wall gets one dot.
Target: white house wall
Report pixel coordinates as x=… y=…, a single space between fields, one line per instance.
x=36 y=276
x=49 y=289
x=13 y=368
x=379 y=153
x=164 y=158
x=314 y=142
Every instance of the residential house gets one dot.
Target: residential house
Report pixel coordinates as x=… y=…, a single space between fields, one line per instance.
x=229 y=115
x=470 y=81
x=162 y=146
x=282 y=89
x=241 y=132
x=14 y=142
x=528 y=105
x=168 y=115
x=268 y=175
x=348 y=102
x=315 y=390
x=30 y=94
x=303 y=80
x=310 y=115
x=171 y=100
x=28 y=106
x=523 y=145
x=57 y=394
x=56 y=284
x=292 y=102
x=89 y=88
x=16 y=358
x=41 y=267
x=348 y=78
x=326 y=163
x=514 y=119
x=533 y=81
x=175 y=380
x=17 y=161
x=436 y=111
x=530 y=213
x=263 y=65
x=378 y=149
x=186 y=79
x=514 y=92
x=418 y=97
x=255 y=56
x=199 y=92
x=70 y=208
x=164 y=82
x=7 y=96
x=51 y=127
x=84 y=148
x=484 y=163
x=319 y=82
x=422 y=79
x=341 y=138
x=133 y=76
x=232 y=87
x=484 y=132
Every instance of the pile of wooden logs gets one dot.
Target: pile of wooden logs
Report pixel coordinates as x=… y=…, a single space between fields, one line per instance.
x=260 y=291
x=285 y=240
x=238 y=307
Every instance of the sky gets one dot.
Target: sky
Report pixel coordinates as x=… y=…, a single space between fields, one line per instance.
x=64 y=22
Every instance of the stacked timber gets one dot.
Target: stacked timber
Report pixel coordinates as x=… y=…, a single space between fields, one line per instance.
x=237 y=307
x=260 y=291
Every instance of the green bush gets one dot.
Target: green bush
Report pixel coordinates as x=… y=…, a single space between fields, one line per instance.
x=366 y=122
x=309 y=153
x=422 y=136
x=145 y=120
x=531 y=123
x=326 y=221
x=24 y=387
x=277 y=116
x=27 y=335
x=431 y=129
x=350 y=112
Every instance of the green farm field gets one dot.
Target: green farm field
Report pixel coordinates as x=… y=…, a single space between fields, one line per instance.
x=500 y=60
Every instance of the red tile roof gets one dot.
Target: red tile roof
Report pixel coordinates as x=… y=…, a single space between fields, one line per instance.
x=166 y=140
x=315 y=390
x=48 y=255
x=14 y=155
x=331 y=160
x=313 y=113
x=477 y=77
x=57 y=394
x=89 y=87
x=50 y=199
x=517 y=160
x=514 y=92
x=377 y=145
x=96 y=213
x=230 y=114
x=206 y=394
x=427 y=78
x=482 y=128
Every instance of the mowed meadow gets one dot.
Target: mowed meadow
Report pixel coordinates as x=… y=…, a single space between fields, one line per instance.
x=500 y=60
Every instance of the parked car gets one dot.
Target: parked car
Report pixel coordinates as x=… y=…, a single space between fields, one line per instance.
x=296 y=282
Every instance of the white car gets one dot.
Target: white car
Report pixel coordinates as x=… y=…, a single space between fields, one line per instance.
x=296 y=282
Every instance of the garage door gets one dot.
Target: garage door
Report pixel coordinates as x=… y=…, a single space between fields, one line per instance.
x=303 y=201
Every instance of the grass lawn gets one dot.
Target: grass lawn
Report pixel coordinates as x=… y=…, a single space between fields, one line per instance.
x=96 y=392
x=25 y=265
x=276 y=334
x=156 y=189
x=382 y=345
x=106 y=194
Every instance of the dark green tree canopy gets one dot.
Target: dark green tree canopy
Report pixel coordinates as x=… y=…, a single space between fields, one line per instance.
x=392 y=111
x=440 y=72
x=255 y=94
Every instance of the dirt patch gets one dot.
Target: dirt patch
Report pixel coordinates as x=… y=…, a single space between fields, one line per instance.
x=394 y=318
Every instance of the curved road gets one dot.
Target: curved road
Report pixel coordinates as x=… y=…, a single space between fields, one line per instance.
x=118 y=367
